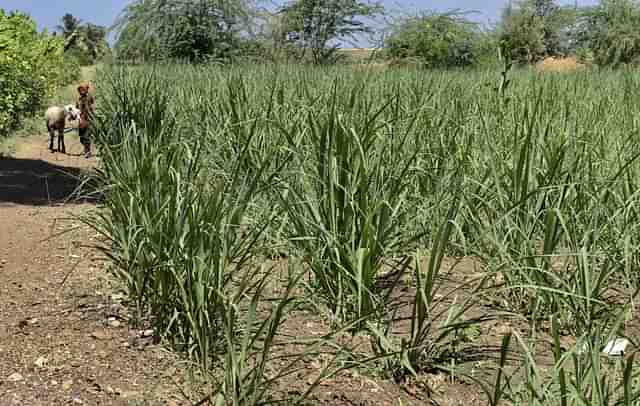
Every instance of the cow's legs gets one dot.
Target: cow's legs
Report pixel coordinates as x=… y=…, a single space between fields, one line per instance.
x=52 y=135
x=61 y=146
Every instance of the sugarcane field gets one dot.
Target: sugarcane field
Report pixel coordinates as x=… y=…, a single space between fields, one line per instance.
x=305 y=202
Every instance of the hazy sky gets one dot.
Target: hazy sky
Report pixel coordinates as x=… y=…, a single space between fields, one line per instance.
x=47 y=13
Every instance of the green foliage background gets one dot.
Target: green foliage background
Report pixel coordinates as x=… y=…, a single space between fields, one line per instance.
x=436 y=41
x=33 y=67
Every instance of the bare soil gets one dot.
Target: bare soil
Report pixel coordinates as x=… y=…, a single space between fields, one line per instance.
x=561 y=65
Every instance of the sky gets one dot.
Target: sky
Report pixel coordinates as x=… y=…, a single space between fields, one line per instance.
x=47 y=13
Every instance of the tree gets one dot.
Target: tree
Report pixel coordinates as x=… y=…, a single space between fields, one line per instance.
x=533 y=29
x=435 y=40
x=70 y=29
x=95 y=40
x=548 y=12
x=195 y=30
x=32 y=66
x=523 y=34
x=87 y=42
x=609 y=32
x=314 y=24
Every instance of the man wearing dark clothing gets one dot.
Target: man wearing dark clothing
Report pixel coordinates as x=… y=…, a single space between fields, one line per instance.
x=85 y=104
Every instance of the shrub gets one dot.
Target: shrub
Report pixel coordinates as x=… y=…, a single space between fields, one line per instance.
x=32 y=66
x=609 y=32
x=435 y=41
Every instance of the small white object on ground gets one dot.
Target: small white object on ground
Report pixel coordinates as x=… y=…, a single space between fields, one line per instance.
x=41 y=362
x=616 y=347
x=113 y=322
x=15 y=377
x=66 y=385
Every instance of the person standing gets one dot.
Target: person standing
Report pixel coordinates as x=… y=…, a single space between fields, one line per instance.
x=86 y=105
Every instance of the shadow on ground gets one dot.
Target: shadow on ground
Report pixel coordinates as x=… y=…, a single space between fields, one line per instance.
x=37 y=182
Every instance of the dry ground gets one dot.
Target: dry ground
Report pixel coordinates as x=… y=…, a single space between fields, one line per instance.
x=561 y=65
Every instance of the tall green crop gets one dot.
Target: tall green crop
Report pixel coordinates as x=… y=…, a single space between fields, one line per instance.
x=208 y=173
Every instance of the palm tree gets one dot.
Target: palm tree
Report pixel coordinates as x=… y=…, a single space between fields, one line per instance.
x=88 y=39
x=95 y=40
x=70 y=29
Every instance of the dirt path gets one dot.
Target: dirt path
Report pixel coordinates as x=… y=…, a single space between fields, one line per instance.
x=63 y=339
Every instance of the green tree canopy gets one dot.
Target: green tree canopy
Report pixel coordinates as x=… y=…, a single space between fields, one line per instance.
x=533 y=29
x=609 y=32
x=435 y=40
x=70 y=26
x=87 y=42
x=32 y=66
x=315 y=25
x=183 y=29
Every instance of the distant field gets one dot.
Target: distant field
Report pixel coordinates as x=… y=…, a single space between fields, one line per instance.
x=569 y=64
x=357 y=54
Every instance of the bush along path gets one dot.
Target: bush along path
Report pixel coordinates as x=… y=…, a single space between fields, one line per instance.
x=63 y=332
